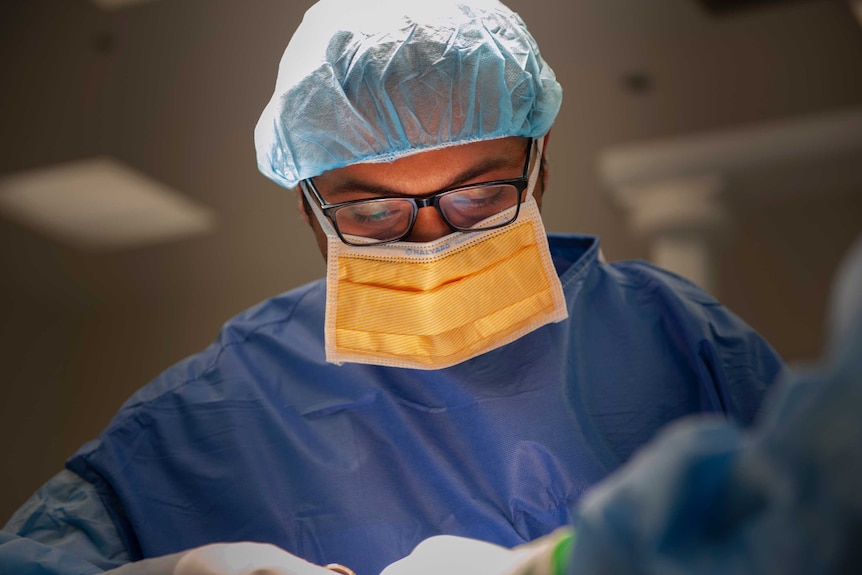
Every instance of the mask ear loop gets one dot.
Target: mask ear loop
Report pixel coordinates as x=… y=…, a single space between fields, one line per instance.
x=536 y=167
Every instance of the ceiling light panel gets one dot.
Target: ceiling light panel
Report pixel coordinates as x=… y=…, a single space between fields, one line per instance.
x=101 y=204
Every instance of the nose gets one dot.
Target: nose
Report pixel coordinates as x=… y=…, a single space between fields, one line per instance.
x=429 y=226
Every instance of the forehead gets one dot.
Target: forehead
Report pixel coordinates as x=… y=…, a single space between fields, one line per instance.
x=434 y=169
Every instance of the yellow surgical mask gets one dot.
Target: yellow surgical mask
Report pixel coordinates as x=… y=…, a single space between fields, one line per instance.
x=436 y=304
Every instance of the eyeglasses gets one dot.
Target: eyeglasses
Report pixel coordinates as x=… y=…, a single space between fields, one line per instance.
x=466 y=209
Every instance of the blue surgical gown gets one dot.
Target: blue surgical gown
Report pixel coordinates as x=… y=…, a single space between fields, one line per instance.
x=258 y=438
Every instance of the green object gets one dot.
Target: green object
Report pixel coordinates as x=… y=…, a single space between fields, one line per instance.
x=561 y=554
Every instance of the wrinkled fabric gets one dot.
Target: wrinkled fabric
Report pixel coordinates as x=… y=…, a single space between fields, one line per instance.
x=782 y=498
x=67 y=513
x=366 y=80
x=258 y=438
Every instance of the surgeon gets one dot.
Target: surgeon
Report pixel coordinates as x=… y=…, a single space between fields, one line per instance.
x=458 y=371
x=707 y=497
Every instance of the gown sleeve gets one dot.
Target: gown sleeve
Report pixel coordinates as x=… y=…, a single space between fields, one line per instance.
x=62 y=529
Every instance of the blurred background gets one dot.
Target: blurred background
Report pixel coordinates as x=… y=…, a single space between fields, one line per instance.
x=721 y=138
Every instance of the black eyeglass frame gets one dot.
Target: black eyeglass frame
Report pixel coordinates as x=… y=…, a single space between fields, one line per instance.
x=432 y=199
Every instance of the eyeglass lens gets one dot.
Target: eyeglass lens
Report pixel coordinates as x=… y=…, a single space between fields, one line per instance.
x=386 y=219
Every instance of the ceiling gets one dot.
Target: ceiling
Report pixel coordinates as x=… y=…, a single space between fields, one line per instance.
x=173 y=89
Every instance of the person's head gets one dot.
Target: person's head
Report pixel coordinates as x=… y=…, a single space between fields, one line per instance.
x=405 y=97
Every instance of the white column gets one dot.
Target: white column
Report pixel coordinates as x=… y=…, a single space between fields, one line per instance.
x=679 y=217
x=688 y=256
x=672 y=188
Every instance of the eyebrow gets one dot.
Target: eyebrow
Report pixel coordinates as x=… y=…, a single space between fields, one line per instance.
x=471 y=173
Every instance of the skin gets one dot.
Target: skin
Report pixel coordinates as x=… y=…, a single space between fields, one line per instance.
x=421 y=174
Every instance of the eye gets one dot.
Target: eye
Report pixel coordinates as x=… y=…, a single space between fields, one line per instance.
x=481 y=197
x=466 y=208
x=375 y=219
x=374 y=212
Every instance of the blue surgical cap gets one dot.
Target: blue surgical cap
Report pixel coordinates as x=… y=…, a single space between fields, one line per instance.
x=376 y=80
